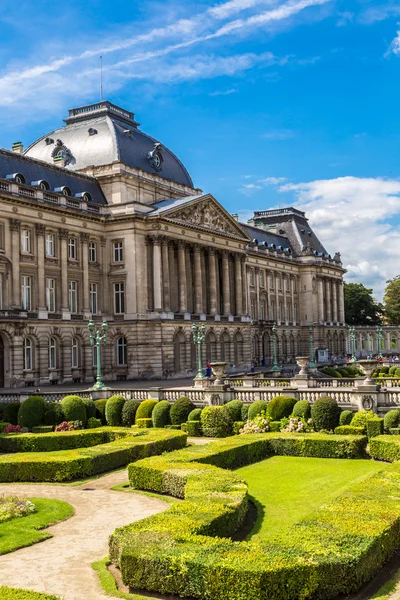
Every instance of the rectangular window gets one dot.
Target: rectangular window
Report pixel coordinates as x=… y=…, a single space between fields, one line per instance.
x=280 y=311
x=26 y=240
x=294 y=314
x=73 y=296
x=287 y=284
x=93 y=297
x=271 y=282
x=261 y=280
x=52 y=354
x=92 y=252
x=119 y=297
x=118 y=252
x=1 y=236
x=251 y=277
x=72 y=249
x=26 y=292
x=253 y=308
x=51 y=295
x=262 y=310
x=50 y=245
x=272 y=311
x=279 y=283
x=74 y=353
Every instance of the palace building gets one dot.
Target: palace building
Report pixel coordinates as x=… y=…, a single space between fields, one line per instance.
x=100 y=220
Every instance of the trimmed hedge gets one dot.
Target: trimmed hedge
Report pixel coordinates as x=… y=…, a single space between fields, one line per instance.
x=54 y=414
x=361 y=417
x=281 y=407
x=160 y=414
x=234 y=410
x=391 y=419
x=215 y=422
x=180 y=410
x=256 y=408
x=374 y=427
x=7 y=593
x=245 y=412
x=90 y=407
x=42 y=429
x=394 y=431
x=74 y=409
x=193 y=428
x=275 y=426
x=186 y=550
x=65 y=465
x=3 y=425
x=93 y=423
x=325 y=413
x=31 y=412
x=345 y=417
x=302 y=408
x=237 y=426
x=145 y=409
x=349 y=430
x=101 y=410
x=114 y=408
x=10 y=413
x=144 y=423
x=194 y=415
x=385 y=447
x=129 y=412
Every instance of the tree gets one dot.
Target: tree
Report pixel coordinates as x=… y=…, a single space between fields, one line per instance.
x=391 y=301
x=359 y=305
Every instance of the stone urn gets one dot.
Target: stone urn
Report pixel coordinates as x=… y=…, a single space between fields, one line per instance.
x=218 y=369
x=302 y=362
x=368 y=366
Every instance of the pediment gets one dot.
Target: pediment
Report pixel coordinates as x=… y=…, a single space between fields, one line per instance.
x=207 y=213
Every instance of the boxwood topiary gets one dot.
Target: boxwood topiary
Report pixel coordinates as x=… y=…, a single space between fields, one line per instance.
x=193 y=428
x=160 y=414
x=194 y=415
x=54 y=414
x=144 y=423
x=245 y=412
x=93 y=423
x=31 y=412
x=391 y=419
x=345 y=417
x=257 y=408
x=397 y=372
x=10 y=413
x=74 y=409
x=325 y=413
x=90 y=407
x=281 y=407
x=361 y=417
x=114 y=408
x=101 y=410
x=180 y=410
x=215 y=422
x=145 y=410
x=234 y=410
x=392 y=371
x=302 y=408
x=129 y=412
x=237 y=426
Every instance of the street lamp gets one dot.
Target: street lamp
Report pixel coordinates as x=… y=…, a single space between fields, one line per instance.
x=199 y=337
x=275 y=365
x=352 y=336
x=380 y=338
x=312 y=362
x=96 y=336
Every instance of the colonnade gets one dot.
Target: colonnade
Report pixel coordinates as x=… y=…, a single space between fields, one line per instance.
x=272 y=301
x=330 y=300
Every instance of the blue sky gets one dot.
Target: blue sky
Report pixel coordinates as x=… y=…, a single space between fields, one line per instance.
x=266 y=102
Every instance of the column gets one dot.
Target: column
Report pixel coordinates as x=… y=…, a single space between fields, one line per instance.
x=40 y=231
x=226 y=291
x=104 y=268
x=198 y=281
x=213 y=282
x=157 y=273
x=277 y=319
x=328 y=300
x=63 y=234
x=285 y=278
x=165 y=271
x=238 y=285
x=85 y=268
x=244 y=286
x=257 y=286
x=182 y=276
x=335 y=302
x=321 y=313
x=15 y=244
x=292 y=280
x=341 y=303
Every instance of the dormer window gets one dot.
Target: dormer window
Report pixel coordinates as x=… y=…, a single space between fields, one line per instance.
x=84 y=196
x=92 y=131
x=41 y=184
x=17 y=177
x=64 y=190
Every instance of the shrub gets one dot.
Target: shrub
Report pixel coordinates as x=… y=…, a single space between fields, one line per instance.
x=42 y=429
x=12 y=429
x=234 y=410
x=260 y=424
x=237 y=426
x=325 y=413
x=114 y=407
x=280 y=407
x=397 y=372
x=345 y=417
x=329 y=371
x=194 y=415
x=392 y=371
x=7 y=593
x=215 y=422
x=144 y=423
x=374 y=427
x=3 y=425
x=180 y=410
x=77 y=425
x=183 y=427
x=385 y=447
x=64 y=426
x=193 y=428
x=145 y=410
x=177 y=427
x=10 y=412
x=302 y=408
x=256 y=408
x=394 y=431
x=90 y=407
x=384 y=370
x=31 y=412
x=74 y=408
x=296 y=425
x=349 y=430
x=54 y=414
x=101 y=410
x=391 y=419
x=245 y=412
x=160 y=414
x=129 y=412
x=93 y=423
x=275 y=426
x=361 y=417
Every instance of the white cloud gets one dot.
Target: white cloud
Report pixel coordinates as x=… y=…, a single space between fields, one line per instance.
x=223 y=92
x=272 y=180
x=395 y=45
x=379 y=13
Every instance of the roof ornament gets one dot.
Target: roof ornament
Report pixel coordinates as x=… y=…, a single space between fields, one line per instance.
x=337 y=258
x=155 y=157
x=307 y=250
x=61 y=151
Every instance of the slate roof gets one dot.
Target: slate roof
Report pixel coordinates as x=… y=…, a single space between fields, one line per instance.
x=265 y=236
x=166 y=205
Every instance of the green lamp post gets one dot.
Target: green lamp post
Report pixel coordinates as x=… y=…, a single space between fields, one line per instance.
x=274 y=348
x=312 y=361
x=199 y=337
x=380 y=338
x=352 y=336
x=96 y=336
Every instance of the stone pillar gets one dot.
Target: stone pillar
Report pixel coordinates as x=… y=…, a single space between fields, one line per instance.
x=198 y=281
x=104 y=266
x=291 y=280
x=277 y=319
x=63 y=234
x=182 y=276
x=157 y=273
x=341 y=302
x=257 y=286
x=238 y=285
x=285 y=314
x=244 y=286
x=213 y=281
x=226 y=289
x=41 y=305
x=335 y=301
x=85 y=269
x=328 y=300
x=15 y=244
x=321 y=312
x=165 y=270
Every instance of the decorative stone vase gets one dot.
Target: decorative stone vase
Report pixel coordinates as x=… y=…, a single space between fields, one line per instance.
x=302 y=361
x=368 y=366
x=218 y=369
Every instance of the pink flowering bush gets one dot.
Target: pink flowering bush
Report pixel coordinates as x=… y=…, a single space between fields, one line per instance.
x=260 y=424
x=64 y=426
x=297 y=425
x=12 y=429
x=15 y=506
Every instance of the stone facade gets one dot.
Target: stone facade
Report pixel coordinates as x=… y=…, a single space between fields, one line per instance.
x=151 y=256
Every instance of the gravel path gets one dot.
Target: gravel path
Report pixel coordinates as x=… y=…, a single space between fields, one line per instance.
x=62 y=564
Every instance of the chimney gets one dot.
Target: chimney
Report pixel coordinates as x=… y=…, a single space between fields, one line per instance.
x=59 y=160
x=235 y=216
x=18 y=147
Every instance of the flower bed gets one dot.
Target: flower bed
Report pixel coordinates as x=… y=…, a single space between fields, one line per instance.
x=12 y=507
x=334 y=551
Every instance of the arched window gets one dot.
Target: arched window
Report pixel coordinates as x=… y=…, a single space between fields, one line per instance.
x=52 y=353
x=211 y=345
x=266 y=346
x=121 y=348
x=179 y=351
x=256 y=348
x=75 y=353
x=28 y=354
x=225 y=347
x=393 y=342
x=238 y=349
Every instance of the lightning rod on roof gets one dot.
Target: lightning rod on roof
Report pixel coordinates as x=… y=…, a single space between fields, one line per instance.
x=101 y=78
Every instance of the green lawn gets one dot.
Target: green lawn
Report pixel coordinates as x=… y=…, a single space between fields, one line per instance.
x=287 y=488
x=25 y=531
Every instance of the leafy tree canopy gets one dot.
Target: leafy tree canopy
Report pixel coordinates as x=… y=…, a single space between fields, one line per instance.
x=391 y=301
x=359 y=305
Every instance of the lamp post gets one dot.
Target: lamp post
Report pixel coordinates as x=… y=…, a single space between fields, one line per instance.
x=352 y=336
x=275 y=365
x=312 y=361
x=96 y=336
x=380 y=338
x=199 y=337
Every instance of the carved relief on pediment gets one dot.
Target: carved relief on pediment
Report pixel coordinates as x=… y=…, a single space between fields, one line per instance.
x=207 y=214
